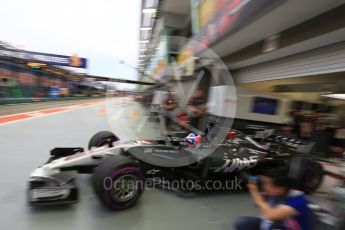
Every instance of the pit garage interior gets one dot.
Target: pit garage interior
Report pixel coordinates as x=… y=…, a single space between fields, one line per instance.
x=299 y=60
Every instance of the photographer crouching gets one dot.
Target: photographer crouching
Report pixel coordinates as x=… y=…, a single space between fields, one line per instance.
x=281 y=208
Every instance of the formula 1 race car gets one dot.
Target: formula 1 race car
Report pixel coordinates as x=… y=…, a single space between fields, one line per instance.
x=121 y=168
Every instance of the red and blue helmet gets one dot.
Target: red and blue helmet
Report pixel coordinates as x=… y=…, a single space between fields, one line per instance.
x=193 y=138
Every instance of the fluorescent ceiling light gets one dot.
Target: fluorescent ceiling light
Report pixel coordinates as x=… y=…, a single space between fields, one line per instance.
x=144 y=41
x=146 y=28
x=142 y=49
x=335 y=95
x=149 y=11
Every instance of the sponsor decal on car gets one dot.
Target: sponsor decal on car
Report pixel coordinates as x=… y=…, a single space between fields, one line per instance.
x=74 y=156
x=148 y=150
x=231 y=165
x=152 y=171
x=49 y=193
x=144 y=142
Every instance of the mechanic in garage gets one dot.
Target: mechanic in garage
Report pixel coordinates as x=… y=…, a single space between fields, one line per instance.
x=169 y=105
x=196 y=107
x=281 y=207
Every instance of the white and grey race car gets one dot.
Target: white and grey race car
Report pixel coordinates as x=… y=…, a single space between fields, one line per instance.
x=121 y=168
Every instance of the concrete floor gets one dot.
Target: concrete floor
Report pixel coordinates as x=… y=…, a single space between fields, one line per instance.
x=26 y=144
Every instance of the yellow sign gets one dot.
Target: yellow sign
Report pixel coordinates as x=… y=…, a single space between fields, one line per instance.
x=208 y=9
x=185 y=61
x=206 y=12
x=75 y=60
x=35 y=64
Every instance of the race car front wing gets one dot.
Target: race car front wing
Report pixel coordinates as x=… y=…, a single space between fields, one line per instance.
x=52 y=190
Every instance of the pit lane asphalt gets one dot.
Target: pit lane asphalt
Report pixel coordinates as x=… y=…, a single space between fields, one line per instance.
x=26 y=144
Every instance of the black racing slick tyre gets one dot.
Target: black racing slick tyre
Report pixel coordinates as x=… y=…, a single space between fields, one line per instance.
x=118 y=182
x=313 y=178
x=305 y=174
x=102 y=138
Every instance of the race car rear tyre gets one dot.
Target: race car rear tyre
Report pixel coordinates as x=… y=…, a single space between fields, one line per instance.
x=313 y=178
x=118 y=182
x=305 y=174
x=102 y=138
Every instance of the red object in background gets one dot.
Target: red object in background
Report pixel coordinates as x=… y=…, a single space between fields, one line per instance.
x=40 y=113
x=198 y=139
x=183 y=118
x=15 y=117
x=231 y=135
x=204 y=42
x=55 y=110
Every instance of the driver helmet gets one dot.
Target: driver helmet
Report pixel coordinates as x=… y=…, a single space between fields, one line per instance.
x=193 y=138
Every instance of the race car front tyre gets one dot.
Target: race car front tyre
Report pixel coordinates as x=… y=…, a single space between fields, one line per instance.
x=118 y=182
x=102 y=138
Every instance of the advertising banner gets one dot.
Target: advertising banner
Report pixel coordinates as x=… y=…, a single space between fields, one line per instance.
x=206 y=11
x=224 y=18
x=158 y=63
x=51 y=59
x=203 y=11
x=185 y=61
